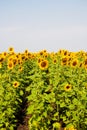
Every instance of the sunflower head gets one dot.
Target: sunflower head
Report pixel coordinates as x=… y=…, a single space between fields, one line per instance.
x=45 y=55
x=64 y=60
x=29 y=55
x=15 y=61
x=60 y=52
x=67 y=87
x=1 y=59
x=15 y=84
x=26 y=51
x=23 y=57
x=20 y=61
x=81 y=64
x=43 y=64
x=85 y=62
x=54 y=61
x=4 y=54
x=10 y=65
x=74 y=62
x=41 y=53
x=65 y=52
x=52 y=55
x=11 y=50
x=20 y=68
x=10 y=58
x=40 y=59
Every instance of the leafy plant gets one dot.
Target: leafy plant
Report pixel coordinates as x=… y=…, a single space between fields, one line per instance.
x=53 y=84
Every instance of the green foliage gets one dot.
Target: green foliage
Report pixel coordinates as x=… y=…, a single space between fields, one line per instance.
x=10 y=99
x=56 y=94
x=49 y=102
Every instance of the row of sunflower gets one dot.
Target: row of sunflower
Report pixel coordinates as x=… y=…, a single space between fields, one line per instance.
x=54 y=85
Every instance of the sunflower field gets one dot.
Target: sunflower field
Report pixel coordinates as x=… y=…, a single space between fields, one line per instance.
x=48 y=89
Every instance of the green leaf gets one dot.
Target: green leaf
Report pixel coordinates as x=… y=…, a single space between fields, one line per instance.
x=69 y=125
x=6 y=124
x=30 y=109
x=45 y=113
x=71 y=106
x=21 y=92
x=75 y=101
x=68 y=113
x=56 y=114
x=64 y=118
x=62 y=104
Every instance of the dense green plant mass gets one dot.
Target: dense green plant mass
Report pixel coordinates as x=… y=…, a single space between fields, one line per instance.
x=58 y=93
x=54 y=84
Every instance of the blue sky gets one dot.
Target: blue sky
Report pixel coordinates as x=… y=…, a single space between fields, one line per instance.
x=43 y=24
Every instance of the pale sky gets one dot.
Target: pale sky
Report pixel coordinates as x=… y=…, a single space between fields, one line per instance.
x=43 y=24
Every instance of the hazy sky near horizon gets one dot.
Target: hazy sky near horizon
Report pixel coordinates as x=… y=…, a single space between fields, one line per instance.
x=43 y=24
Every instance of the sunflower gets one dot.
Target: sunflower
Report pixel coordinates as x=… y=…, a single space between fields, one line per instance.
x=23 y=57
x=85 y=53
x=73 y=55
x=45 y=55
x=10 y=65
x=60 y=52
x=20 y=61
x=11 y=50
x=64 y=60
x=15 y=84
x=43 y=64
x=1 y=59
x=41 y=52
x=15 y=61
x=52 y=54
x=26 y=56
x=20 y=68
x=10 y=58
x=81 y=64
x=65 y=53
x=26 y=51
x=40 y=59
x=45 y=51
x=74 y=62
x=85 y=62
x=18 y=55
x=67 y=87
x=33 y=56
x=29 y=55
x=85 y=66
x=54 y=61
x=4 y=54
x=81 y=53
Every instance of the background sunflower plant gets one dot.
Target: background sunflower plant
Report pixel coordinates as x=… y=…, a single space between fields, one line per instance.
x=56 y=93
x=54 y=86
